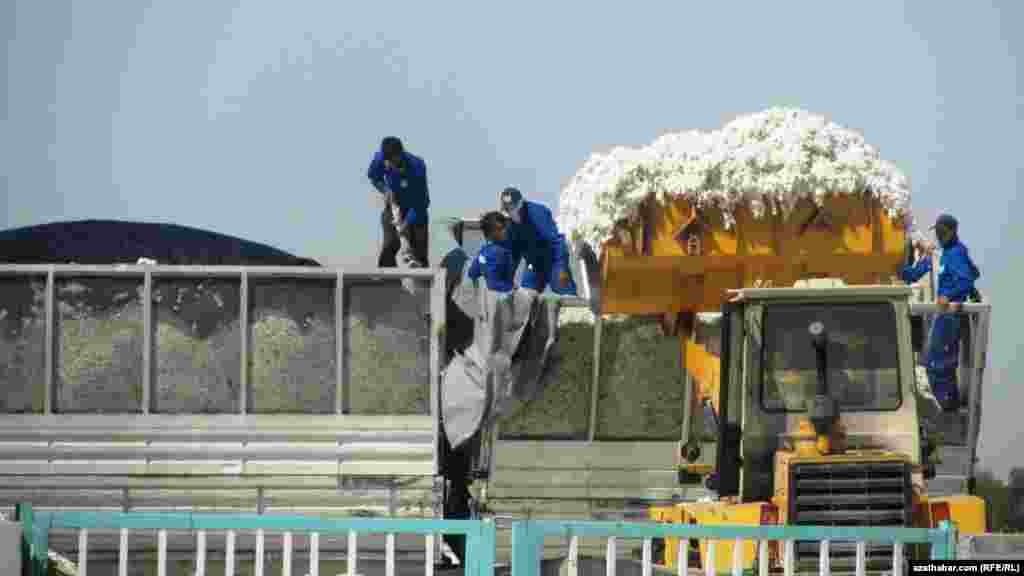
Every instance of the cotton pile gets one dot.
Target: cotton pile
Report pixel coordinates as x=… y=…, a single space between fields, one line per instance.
x=769 y=161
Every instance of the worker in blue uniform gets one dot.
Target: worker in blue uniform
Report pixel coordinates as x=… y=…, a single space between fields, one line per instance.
x=955 y=285
x=402 y=178
x=494 y=262
x=535 y=238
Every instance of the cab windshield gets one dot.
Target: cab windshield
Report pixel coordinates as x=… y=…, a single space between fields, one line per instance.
x=862 y=354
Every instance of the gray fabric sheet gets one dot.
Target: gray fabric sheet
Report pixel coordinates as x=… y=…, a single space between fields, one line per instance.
x=513 y=337
x=405 y=258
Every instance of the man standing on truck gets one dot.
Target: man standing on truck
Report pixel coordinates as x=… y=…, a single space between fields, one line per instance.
x=957 y=274
x=534 y=236
x=402 y=178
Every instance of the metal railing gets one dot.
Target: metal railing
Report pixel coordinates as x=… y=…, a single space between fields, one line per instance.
x=480 y=538
x=973 y=358
x=527 y=540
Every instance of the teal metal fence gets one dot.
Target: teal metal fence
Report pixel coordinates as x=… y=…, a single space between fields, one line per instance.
x=480 y=544
x=527 y=540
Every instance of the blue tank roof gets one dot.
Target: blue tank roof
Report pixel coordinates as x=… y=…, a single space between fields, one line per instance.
x=117 y=242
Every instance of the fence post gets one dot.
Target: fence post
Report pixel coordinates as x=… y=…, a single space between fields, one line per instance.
x=485 y=544
x=965 y=547
x=34 y=542
x=944 y=542
x=23 y=514
x=525 y=549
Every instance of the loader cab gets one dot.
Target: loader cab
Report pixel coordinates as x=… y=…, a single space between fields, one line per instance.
x=877 y=340
x=771 y=377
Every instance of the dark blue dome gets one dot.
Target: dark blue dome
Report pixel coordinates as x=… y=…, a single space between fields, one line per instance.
x=111 y=241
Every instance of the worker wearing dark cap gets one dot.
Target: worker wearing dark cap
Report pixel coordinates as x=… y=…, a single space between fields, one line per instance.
x=494 y=262
x=534 y=236
x=956 y=276
x=402 y=178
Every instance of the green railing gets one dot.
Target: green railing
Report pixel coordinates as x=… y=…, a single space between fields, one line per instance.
x=527 y=540
x=480 y=544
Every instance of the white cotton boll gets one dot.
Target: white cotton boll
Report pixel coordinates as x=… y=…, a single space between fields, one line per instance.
x=770 y=160
x=757 y=207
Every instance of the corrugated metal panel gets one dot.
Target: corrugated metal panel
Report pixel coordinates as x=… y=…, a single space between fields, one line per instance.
x=217 y=499
x=222 y=452
x=291 y=482
x=44 y=498
x=224 y=459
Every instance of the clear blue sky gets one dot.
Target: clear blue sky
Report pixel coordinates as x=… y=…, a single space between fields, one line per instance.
x=258 y=118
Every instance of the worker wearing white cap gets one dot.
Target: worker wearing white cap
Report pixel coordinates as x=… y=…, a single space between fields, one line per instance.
x=535 y=236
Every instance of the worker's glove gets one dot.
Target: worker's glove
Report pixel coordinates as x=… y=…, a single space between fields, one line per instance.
x=563 y=278
x=975 y=295
x=945 y=305
x=380 y=198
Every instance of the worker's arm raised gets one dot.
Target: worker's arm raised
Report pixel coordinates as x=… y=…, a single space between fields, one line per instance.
x=911 y=274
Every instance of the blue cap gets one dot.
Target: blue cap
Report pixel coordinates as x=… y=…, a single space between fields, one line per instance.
x=510 y=199
x=390 y=147
x=945 y=221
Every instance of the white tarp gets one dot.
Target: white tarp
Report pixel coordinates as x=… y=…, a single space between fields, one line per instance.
x=513 y=336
